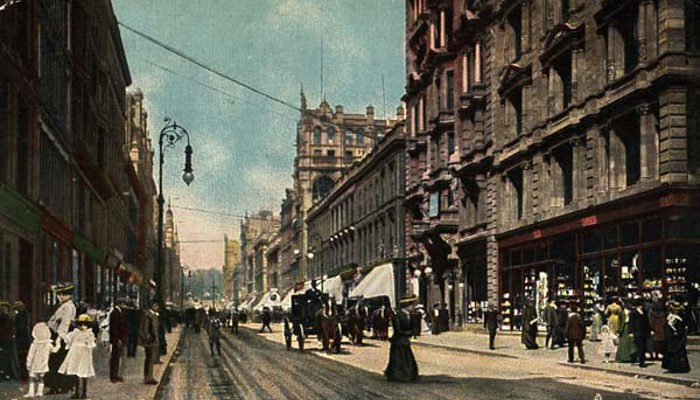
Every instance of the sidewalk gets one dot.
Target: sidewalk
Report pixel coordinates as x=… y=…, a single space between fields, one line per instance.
x=100 y=387
x=474 y=339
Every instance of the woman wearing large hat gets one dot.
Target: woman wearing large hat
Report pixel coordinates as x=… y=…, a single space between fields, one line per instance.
x=675 y=339
x=60 y=323
x=402 y=364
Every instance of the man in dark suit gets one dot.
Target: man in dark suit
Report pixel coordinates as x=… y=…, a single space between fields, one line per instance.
x=640 y=327
x=118 y=337
x=575 y=331
x=148 y=335
x=491 y=323
x=133 y=320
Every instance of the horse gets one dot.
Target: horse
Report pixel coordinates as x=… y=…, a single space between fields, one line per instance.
x=355 y=320
x=329 y=330
x=381 y=319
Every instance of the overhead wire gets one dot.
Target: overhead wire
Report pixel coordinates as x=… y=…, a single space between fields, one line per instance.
x=193 y=60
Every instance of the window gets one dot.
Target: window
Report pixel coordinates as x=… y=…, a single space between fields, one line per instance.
x=627 y=129
x=450 y=144
x=515 y=33
x=692 y=25
x=564 y=174
x=317 y=135
x=450 y=90
x=360 y=137
x=438 y=93
x=348 y=155
x=330 y=153
x=622 y=43
x=628 y=30
x=348 y=137
x=563 y=90
x=331 y=135
x=318 y=153
x=516 y=182
x=514 y=113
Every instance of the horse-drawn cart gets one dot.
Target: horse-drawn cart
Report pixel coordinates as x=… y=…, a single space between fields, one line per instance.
x=310 y=316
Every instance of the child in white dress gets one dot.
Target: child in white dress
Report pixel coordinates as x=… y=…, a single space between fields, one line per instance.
x=38 y=358
x=608 y=345
x=78 y=361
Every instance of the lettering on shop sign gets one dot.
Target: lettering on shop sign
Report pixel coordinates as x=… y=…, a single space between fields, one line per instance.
x=537 y=234
x=588 y=221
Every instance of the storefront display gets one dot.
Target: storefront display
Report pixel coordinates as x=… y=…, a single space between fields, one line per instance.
x=676 y=284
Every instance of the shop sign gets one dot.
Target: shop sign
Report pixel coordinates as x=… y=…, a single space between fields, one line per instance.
x=86 y=246
x=18 y=210
x=588 y=221
x=434 y=208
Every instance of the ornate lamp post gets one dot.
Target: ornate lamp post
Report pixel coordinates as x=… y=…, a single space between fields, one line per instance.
x=169 y=136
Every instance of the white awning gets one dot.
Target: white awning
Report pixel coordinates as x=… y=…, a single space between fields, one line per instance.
x=334 y=287
x=269 y=299
x=286 y=302
x=378 y=282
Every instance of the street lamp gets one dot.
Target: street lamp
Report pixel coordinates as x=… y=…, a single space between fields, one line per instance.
x=169 y=135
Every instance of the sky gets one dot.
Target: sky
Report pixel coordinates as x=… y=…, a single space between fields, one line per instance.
x=244 y=143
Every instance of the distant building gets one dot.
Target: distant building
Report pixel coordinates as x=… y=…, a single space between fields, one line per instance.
x=232 y=263
x=256 y=229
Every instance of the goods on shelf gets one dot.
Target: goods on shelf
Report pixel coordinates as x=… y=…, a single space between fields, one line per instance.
x=675 y=270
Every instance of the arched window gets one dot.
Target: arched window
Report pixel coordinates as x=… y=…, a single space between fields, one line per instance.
x=360 y=137
x=322 y=186
x=331 y=135
x=317 y=135
x=348 y=137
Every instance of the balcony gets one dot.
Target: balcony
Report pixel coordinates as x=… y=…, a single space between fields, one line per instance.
x=325 y=160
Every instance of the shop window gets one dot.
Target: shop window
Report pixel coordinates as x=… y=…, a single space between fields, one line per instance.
x=651 y=230
x=591 y=241
x=684 y=225
x=629 y=234
x=591 y=287
x=652 y=270
x=542 y=253
x=629 y=273
x=528 y=255
x=692 y=25
x=515 y=257
x=505 y=258
x=682 y=275
x=693 y=124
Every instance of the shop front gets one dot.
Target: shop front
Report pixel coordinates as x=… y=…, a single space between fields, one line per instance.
x=591 y=260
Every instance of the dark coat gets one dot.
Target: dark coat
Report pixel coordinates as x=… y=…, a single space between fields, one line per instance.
x=402 y=364
x=574 y=330
x=148 y=332
x=118 y=331
x=491 y=320
x=639 y=324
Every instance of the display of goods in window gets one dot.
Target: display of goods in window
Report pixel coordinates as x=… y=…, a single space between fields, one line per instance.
x=506 y=309
x=675 y=277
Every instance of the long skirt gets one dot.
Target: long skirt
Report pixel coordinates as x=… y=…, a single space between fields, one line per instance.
x=402 y=364
x=54 y=381
x=675 y=355
x=626 y=350
x=529 y=337
x=9 y=364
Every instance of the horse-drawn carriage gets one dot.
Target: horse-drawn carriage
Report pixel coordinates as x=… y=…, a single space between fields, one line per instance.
x=311 y=313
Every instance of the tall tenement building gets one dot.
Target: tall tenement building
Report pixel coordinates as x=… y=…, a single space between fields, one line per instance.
x=328 y=143
x=554 y=150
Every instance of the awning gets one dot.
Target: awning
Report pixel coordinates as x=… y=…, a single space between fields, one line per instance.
x=334 y=287
x=286 y=302
x=378 y=282
x=269 y=299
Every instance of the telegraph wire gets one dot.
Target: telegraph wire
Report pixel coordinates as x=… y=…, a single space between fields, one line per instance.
x=217 y=212
x=206 y=67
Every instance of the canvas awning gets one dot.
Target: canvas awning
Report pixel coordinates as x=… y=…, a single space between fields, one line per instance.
x=269 y=299
x=334 y=287
x=286 y=302
x=378 y=282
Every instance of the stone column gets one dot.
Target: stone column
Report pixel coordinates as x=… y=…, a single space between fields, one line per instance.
x=649 y=143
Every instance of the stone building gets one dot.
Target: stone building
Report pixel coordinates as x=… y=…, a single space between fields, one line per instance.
x=328 y=142
x=65 y=164
x=550 y=150
x=289 y=242
x=171 y=280
x=256 y=230
x=232 y=263
x=360 y=222
x=272 y=254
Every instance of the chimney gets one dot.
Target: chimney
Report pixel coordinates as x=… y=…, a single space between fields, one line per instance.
x=339 y=114
x=370 y=114
x=401 y=113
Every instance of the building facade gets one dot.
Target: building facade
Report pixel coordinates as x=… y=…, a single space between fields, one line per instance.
x=524 y=182
x=360 y=222
x=328 y=143
x=289 y=242
x=255 y=232
x=232 y=263
x=66 y=166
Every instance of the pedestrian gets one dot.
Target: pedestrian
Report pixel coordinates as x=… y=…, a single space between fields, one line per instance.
x=118 y=337
x=608 y=346
x=234 y=320
x=597 y=323
x=60 y=325
x=103 y=320
x=615 y=314
x=214 y=332
x=435 y=320
x=266 y=318
x=640 y=328
x=402 y=365
x=38 y=358
x=444 y=318
x=148 y=336
x=560 y=330
x=133 y=320
x=626 y=350
x=9 y=363
x=22 y=336
x=675 y=352
x=78 y=361
x=575 y=332
x=529 y=333
x=491 y=317
x=551 y=318
x=657 y=317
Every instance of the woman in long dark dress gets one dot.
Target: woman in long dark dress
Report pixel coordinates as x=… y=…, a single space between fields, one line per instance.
x=402 y=364
x=60 y=324
x=675 y=354
x=529 y=332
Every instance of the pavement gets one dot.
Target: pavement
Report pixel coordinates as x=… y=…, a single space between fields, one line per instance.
x=100 y=386
x=474 y=339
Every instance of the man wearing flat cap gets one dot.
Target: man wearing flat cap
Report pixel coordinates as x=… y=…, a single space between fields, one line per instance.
x=60 y=325
x=402 y=363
